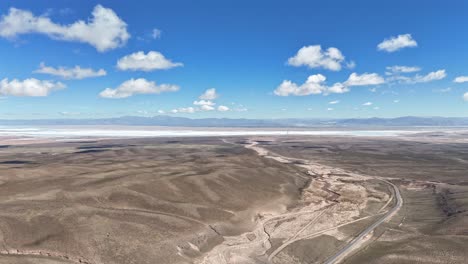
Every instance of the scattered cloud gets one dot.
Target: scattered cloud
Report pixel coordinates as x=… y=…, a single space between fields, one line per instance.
x=465 y=96
x=187 y=110
x=70 y=73
x=443 y=90
x=314 y=57
x=367 y=104
x=373 y=89
x=351 y=65
x=313 y=85
x=104 y=30
x=396 y=101
x=364 y=79
x=139 y=61
x=209 y=94
x=330 y=109
x=461 y=79
x=389 y=92
x=161 y=111
x=337 y=88
x=28 y=87
x=397 y=69
x=376 y=108
x=334 y=102
x=65 y=11
x=203 y=102
x=393 y=44
x=142 y=112
x=239 y=107
x=223 y=108
x=432 y=76
x=65 y=113
x=206 y=107
x=137 y=86
x=156 y=33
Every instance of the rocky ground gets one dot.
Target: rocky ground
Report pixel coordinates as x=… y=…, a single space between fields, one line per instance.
x=232 y=200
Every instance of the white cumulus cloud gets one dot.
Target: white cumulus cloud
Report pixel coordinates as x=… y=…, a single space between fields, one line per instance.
x=223 y=108
x=139 y=61
x=137 y=86
x=465 y=96
x=337 y=88
x=393 y=44
x=203 y=102
x=314 y=57
x=104 y=30
x=206 y=108
x=28 y=87
x=315 y=84
x=367 y=104
x=209 y=94
x=70 y=73
x=461 y=79
x=364 y=79
x=334 y=102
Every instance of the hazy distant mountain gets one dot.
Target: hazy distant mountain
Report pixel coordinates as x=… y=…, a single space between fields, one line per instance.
x=229 y=122
x=408 y=121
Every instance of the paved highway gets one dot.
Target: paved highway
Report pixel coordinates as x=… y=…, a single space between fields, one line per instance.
x=356 y=242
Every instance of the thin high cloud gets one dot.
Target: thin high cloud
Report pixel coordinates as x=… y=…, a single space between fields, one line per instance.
x=156 y=33
x=399 y=42
x=432 y=76
x=137 y=86
x=418 y=78
x=104 y=30
x=151 y=61
x=398 y=69
x=29 y=87
x=75 y=73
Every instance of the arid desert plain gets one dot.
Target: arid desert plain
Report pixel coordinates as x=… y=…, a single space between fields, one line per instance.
x=235 y=199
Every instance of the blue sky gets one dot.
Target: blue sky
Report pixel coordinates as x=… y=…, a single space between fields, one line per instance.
x=233 y=58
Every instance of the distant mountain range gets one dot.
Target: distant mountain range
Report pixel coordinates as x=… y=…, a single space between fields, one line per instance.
x=229 y=122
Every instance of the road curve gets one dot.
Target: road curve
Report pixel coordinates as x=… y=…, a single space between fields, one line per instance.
x=355 y=243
